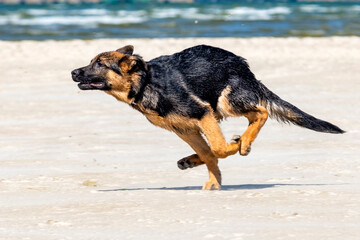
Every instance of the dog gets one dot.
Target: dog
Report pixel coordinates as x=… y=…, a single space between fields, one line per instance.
x=189 y=93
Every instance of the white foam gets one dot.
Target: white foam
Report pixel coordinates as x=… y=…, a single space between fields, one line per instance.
x=246 y=13
x=313 y=8
x=48 y=12
x=84 y=17
x=71 y=20
x=139 y=13
x=238 y=13
x=92 y=11
x=173 y=12
x=355 y=8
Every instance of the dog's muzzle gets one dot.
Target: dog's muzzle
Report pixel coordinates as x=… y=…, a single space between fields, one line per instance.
x=86 y=83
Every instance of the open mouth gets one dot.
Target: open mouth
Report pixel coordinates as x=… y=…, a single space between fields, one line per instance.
x=93 y=85
x=89 y=83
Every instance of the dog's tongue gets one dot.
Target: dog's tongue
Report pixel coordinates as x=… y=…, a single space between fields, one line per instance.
x=97 y=85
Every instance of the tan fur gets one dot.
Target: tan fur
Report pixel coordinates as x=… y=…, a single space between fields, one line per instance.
x=212 y=132
x=174 y=122
x=120 y=87
x=223 y=107
x=257 y=120
x=199 y=145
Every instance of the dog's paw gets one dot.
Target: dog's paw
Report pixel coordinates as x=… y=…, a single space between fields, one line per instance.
x=211 y=185
x=245 y=150
x=235 y=139
x=185 y=163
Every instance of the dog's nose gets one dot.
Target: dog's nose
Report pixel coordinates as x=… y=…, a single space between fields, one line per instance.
x=75 y=72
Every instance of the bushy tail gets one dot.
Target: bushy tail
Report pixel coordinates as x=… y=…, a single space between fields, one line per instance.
x=286 y=112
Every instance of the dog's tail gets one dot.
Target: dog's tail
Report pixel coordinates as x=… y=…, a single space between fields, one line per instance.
x=286 y=112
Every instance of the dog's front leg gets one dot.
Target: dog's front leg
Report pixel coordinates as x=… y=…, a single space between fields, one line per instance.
x=202 y=149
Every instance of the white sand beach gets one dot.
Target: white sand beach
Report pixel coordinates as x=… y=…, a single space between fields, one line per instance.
x=80 y=165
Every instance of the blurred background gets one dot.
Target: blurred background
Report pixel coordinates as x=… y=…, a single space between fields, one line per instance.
x=91 y=19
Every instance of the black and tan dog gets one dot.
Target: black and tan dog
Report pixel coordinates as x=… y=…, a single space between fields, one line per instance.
x=189 y=93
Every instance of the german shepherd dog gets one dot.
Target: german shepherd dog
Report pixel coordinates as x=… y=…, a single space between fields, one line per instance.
x=189 y=93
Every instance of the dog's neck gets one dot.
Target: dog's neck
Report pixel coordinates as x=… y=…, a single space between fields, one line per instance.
x=135 y=89
x=144 y=97
x=136 y=93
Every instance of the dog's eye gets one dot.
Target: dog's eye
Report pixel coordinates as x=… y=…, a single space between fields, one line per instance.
x=99 y=63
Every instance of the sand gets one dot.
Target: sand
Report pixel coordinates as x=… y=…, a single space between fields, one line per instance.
x=80 y=165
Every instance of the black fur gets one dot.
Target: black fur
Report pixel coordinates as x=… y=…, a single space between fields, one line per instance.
x=202 y=71
x=205 y=71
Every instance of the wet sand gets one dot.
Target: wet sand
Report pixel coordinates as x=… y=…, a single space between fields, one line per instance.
x=80 y=165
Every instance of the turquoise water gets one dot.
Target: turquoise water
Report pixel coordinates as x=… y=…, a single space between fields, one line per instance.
x=155 y=20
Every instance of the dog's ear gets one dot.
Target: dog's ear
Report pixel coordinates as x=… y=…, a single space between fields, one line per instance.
x=136 y=64
x=129 y=49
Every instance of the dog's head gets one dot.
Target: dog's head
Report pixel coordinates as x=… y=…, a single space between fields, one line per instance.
x=118 y=73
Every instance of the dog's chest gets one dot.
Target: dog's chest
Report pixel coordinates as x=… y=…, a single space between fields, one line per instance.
x=174 y=122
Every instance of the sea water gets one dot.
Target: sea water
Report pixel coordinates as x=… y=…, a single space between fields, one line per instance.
x=149 y=19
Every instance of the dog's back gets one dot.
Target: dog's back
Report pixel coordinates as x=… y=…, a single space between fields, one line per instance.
x=197 y=76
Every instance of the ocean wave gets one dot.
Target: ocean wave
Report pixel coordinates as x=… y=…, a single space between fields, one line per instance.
x=314 y=8
x=246 y=13
x=245 y=19
x=80 y=12
x=173 y=12
x=83 y=17
x=116 y=16
x=318 y=9
x=92 y=17
x=70 y=20
x=185 y=13
x=48 y=12
x=124 y=13
x=355 y=8
x=238 y=13
x=92 y=11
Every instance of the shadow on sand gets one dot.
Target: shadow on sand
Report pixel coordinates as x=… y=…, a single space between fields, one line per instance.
x=223 y=187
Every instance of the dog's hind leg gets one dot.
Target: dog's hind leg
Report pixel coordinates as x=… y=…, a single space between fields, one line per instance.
x=189 y=162
x=203 y=152
x=211 y=129
x=256 y=119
